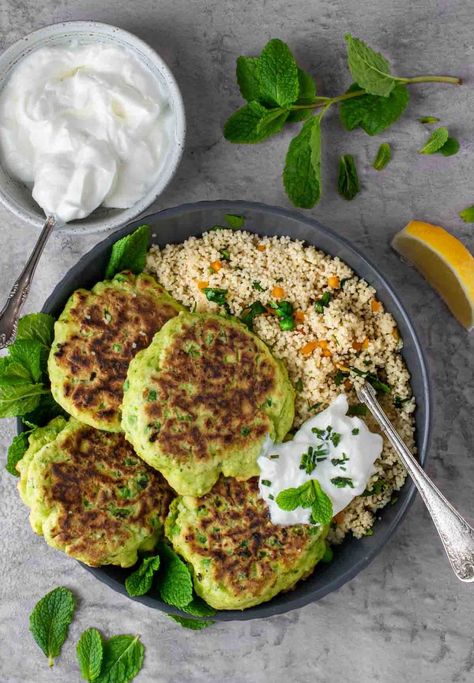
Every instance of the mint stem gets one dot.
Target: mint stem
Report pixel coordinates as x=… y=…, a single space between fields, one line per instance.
x=327 y=101
x=451 y=80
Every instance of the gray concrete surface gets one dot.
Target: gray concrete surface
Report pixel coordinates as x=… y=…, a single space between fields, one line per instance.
x=406 y=617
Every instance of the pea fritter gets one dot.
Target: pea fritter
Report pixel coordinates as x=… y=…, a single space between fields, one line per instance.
x=90 y=495
x=96 y=337
x=238 y=557
x=202 y=399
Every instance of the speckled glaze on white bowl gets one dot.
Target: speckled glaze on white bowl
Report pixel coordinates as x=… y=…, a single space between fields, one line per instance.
x=17 y=197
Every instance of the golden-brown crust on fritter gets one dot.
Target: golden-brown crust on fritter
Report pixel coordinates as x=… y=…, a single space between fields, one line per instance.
x=232 y=528
x=109 y=327
x=103 y=493
x=210 y=391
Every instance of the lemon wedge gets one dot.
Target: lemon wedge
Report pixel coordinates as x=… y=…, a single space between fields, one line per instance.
x=444 y=261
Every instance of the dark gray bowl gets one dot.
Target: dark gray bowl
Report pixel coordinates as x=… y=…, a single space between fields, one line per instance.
x=175 y=225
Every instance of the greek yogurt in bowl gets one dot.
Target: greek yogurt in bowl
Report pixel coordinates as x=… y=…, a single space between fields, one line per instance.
x=91 y=126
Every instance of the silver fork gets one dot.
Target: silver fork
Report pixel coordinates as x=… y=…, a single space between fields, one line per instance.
x=456 y=534
x=10 y=313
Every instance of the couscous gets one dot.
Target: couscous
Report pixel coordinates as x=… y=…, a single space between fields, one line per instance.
x=316 y=315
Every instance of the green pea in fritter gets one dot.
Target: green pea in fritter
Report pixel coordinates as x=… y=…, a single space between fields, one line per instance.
x=95 y=338
x=90 y=495
x=238 y=557
x=202 y=399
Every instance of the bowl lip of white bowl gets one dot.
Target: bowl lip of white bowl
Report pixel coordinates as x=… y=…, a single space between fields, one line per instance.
x=123 y=216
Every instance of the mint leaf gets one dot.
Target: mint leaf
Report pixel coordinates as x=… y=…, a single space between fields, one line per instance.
x=141 y=580
x=372 y=113
x=306 y=88
x=89 y=651
x=288 y=499
x=383 y=156
x=348 y=180
x=436 y=140
x=19 y=399
x=129 y=253
x=308 y=495
x=321 y=508
x=253 y=123
x=16 y=451
x=306 y=95
x=12 y=372
x=428 y=119
x=248 y=78
x=450 y=147
x=194 y=624
x=278 y=74
x=235 y=222
x=467 y=215
x=32 y=355
x=36 y=327
x=175 y=583
x=50 y=619
x=369 y=68
x=302 y=172
x=198 y=608
x=122 y=659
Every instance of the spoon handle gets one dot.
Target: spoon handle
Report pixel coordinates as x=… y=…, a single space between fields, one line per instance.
x=455 y=533
x=10 y=313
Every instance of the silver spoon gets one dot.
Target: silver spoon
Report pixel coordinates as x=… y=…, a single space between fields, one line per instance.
x=10 y=313
x=455 y=533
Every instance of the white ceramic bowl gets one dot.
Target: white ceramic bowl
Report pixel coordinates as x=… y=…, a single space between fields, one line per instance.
x=17 y=197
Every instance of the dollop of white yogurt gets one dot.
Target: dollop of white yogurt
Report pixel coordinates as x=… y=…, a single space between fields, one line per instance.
x=343 y=468
x=84 y=126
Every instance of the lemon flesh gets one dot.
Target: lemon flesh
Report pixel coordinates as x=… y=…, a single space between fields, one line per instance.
x=444 y=262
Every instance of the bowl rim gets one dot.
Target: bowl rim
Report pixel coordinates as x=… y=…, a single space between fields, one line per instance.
x=268 y=609
x=123 y=216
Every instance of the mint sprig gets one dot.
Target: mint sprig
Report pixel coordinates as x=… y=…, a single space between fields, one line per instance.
x=117 y=659
x=50 y=619
x=308 y=495
x=23 y=372
x=173 y=581
x=279 y=92
x=24 y=382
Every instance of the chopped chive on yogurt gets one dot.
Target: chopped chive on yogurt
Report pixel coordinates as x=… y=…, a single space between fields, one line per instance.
x=332 y=447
